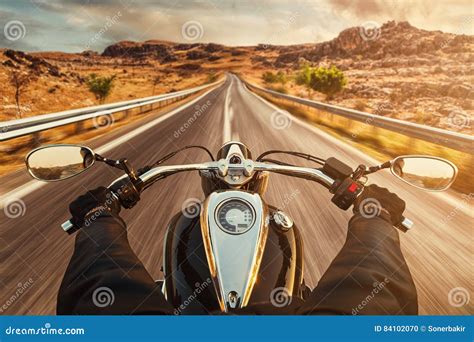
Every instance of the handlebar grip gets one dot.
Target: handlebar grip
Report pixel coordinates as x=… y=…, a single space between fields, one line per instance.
x=69 y=227
x=405 y=225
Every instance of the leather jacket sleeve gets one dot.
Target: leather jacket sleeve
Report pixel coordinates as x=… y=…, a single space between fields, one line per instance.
x=369 y=276
x=105 y=276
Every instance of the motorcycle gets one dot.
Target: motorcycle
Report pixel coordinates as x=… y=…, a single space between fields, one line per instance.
x=233 y=249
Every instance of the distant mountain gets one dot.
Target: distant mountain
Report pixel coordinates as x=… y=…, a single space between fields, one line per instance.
x=392 y=39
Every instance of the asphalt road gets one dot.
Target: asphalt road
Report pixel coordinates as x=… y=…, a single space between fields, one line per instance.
x=34 y=251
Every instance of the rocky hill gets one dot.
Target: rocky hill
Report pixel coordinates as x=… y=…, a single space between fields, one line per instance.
x=389 y=41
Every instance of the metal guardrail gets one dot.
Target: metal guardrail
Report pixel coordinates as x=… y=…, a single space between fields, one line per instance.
x=17 y=128
x=457 y=141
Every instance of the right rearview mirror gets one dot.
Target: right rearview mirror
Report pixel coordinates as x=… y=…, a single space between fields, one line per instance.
x=425 y=172
x=57 y=162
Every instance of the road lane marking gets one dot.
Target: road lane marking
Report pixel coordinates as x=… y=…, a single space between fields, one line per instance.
x=450 y=199
x=228 y=114
x=34 y=185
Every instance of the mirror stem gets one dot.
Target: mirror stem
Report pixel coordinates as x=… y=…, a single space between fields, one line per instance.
x=111 y=162
x=121 y=164
x=373 y=169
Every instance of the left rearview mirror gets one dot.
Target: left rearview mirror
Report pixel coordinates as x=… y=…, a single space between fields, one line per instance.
x=57 y=162
x=425 y=172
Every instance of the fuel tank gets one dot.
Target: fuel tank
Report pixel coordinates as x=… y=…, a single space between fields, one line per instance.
x=191 y=288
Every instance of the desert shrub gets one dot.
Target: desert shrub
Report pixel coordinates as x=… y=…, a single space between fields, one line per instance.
x=212 y=77
x=328 y=81
x=270 y=77
x=100 y=86
x=303 y=76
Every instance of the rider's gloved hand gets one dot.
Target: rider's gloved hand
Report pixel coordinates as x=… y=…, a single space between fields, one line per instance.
x=377 y=201
x=92 y=205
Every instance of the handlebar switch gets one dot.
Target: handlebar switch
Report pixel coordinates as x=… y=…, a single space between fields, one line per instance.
x=336 y=169
x=126 y=191
x=346 y=192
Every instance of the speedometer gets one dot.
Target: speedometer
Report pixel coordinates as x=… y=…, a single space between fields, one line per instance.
x=235 y=216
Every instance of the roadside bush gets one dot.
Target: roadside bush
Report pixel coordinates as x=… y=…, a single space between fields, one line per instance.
x=328 y=81
x=212 y=77
x=100 y=86
x=270 y=77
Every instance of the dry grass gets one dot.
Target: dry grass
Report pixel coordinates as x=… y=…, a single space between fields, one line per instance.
x=47 y=94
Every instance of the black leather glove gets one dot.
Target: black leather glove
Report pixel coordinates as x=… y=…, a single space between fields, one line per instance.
x=377 y=201
x=92 y=205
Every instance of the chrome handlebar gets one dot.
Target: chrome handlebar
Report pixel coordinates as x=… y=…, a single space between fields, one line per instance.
x=247 y=169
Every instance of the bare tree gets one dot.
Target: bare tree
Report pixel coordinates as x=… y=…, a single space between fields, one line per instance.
x=19 y=81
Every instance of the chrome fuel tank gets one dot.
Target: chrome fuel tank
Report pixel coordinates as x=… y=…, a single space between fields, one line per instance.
x=232 y=253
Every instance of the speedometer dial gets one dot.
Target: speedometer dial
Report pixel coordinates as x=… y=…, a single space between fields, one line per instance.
x=235 y=216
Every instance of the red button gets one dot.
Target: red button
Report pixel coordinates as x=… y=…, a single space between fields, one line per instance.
x=353 y=187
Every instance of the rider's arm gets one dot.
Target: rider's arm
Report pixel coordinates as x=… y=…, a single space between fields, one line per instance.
x=369 y=276
x=104 y=275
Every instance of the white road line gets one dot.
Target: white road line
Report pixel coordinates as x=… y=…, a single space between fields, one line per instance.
x=456 y=203
x=227 y=134
x=34 y=185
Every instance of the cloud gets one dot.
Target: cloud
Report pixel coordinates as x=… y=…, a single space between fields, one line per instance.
x=24 y=29
x=360 y=8
x=245 y=22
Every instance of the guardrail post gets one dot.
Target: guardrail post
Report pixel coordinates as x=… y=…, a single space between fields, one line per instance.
x=35 y=140
x=79 y=127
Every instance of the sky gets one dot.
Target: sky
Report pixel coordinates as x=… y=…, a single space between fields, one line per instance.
x=78 y=25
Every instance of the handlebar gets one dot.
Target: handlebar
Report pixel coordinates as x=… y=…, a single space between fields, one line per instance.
x=227 y=170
